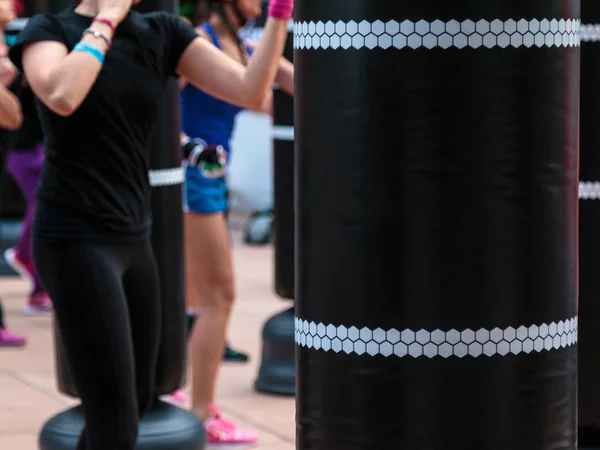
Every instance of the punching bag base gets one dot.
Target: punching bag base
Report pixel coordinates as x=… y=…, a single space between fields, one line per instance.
x=165 y=427
x=277 y=369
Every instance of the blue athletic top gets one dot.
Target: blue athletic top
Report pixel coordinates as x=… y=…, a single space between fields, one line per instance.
x=204 y=116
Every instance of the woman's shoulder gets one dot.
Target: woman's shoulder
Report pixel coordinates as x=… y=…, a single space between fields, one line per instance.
x=45 y=20
x=160 y=22
x=160 y=18
x=57 y=24
x=41 y=27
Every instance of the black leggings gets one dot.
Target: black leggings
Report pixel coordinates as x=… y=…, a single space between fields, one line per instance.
x=108 y=312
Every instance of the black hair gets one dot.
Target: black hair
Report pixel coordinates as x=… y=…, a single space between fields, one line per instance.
x=205 y=8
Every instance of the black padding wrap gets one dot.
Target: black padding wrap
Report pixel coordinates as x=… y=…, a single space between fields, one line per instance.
x=167 y=242
x=589 y=227
x=436 y=223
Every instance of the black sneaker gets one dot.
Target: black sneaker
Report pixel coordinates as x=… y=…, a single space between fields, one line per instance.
x=232 y=355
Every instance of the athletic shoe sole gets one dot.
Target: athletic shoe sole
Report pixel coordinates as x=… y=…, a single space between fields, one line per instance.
x=33 y=311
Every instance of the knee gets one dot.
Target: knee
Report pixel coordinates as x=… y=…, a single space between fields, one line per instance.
x=219 y=294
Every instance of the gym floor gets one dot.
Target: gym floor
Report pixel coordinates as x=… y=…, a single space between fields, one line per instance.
x=28 y=394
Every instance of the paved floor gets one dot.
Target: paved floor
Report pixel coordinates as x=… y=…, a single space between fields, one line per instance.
x=28 y=394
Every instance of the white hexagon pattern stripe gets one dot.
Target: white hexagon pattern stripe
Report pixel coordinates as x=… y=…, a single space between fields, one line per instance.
x=282 y=133
x=436 y=343
x=437 y=34
x=166 y=177
x=589 y=190
x=590 y=32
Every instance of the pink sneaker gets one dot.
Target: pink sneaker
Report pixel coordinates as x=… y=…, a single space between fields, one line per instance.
x=222 y=434
x=39 y=303
x=8 y=339
x=23 y=267
x=178 y=397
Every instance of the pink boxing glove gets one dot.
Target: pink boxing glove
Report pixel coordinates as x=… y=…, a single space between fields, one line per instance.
x=281 y=9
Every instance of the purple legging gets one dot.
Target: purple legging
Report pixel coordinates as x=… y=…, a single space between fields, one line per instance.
x=25 y=167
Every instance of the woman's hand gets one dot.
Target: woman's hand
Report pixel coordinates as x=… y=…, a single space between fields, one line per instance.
x=113 y=10
x=8 y=71
x=10 y=110
x=7 y=12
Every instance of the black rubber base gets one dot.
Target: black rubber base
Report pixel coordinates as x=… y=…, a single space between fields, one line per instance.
x=259 y=228
x=277 y=374
x=166 y=427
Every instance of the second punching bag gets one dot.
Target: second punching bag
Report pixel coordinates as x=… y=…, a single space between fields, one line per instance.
x=283 y=185
x=277 y=369
x=589 y=223
x=436 y=159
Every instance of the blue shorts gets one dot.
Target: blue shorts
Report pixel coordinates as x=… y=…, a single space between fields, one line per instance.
x=204 y=195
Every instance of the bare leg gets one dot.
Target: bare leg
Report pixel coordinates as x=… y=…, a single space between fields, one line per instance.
x=211 y=271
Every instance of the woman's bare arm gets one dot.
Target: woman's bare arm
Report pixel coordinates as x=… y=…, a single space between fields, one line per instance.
x=214 y=72
x=7 y=12
x=267 y=106
x=285 y=76
x=10 y=110
x=285 y=73
x=182 y=81
x=62 y=80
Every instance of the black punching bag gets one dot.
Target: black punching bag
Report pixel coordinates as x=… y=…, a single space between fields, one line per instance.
x=283 y=185
x=277 y=369
x=436 y=159
x=589 y=224
x=166 y=178
x=165 y=427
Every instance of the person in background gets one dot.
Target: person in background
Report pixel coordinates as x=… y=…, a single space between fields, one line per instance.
x=10 y=119
x=188 y=14
x=24 y=163
x=208 y=121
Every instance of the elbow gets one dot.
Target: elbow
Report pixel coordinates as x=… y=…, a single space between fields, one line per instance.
x=62 y=104
x=255 y=102
x=14 y=122
x=254 y=105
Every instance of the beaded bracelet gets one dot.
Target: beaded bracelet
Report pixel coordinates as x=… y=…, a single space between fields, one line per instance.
x=98 y=34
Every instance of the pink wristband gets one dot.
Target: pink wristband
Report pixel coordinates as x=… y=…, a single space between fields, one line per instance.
x=105 y=22
x=281 y=9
